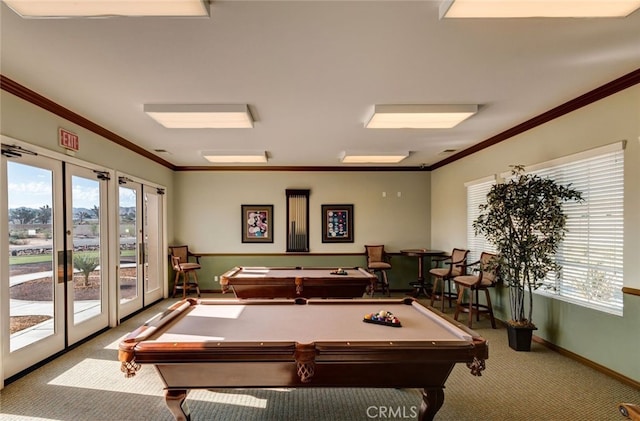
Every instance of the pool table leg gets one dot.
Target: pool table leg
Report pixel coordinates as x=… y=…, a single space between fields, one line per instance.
x=175 y=402
x=432 y=400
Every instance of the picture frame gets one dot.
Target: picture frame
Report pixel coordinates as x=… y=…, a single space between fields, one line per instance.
x=337 y=224
x=257 y=223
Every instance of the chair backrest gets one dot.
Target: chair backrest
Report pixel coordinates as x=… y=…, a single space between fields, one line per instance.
x=180 y=252
x=375 y=254
x=459 y=255
x=489 y=272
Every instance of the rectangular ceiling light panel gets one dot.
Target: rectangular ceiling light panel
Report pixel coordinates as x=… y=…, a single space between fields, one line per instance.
x=235 y=157
x=419 y=116
x=537 y=8
x=108 y=8
x=201 y=116
x=348 y=157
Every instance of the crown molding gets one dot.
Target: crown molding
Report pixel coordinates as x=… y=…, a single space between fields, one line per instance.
x=620 y=84
x=36 y=99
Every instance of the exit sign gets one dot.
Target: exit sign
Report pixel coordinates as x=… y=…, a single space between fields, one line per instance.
x=69 y=140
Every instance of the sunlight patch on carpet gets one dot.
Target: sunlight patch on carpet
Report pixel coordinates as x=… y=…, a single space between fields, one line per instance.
x=104 y=375
x=238 y=399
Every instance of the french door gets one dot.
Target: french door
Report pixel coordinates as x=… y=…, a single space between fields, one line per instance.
x=130 y=262
x=154 y=255
x=87 y=239
x=33 y=260
x=141 y=258
x=79 y=250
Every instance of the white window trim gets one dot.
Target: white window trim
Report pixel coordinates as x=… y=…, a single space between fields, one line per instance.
x=589 y=153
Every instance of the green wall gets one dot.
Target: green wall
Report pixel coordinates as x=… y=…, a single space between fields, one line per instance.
x=390 y=208
x=207 y=218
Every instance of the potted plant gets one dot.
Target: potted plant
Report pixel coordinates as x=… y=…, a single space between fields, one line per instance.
x=524 y=220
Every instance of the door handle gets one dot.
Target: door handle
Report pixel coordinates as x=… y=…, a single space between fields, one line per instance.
x=65 y=266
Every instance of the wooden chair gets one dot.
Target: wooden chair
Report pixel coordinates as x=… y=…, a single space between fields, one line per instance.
x=484 y=279
x=454 y=265
x=378 y=264
x=182 y=266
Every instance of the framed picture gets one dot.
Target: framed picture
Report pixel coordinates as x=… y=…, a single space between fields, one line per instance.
x=257 y=223
x=337 y=223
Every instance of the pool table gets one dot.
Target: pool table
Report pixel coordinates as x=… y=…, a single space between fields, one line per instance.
x=294 y=282
x=229 y=343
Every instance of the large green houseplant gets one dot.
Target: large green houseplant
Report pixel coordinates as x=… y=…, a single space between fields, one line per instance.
x=523 y=218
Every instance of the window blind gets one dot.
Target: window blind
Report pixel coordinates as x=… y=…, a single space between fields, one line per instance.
x=591 y=254
x=476 y=196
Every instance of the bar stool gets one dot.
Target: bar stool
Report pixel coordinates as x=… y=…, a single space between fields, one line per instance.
x=378 y=264
x=443 y=276
x=484 y=279
x=181 y=265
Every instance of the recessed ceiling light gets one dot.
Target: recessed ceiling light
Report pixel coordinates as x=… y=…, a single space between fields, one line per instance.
x=537 y=8
x=348 y=157
x=419 y=116
x=108 y=8
x=201 y=116
x=235 y=157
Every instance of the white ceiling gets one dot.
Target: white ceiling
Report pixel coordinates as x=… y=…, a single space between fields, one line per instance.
x=311 y=71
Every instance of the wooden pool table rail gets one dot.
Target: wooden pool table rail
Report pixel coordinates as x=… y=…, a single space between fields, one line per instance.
x=293 y=282
x=196 y=365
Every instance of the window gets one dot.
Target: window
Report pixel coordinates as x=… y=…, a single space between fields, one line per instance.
x=476 y=196
x=591 y=253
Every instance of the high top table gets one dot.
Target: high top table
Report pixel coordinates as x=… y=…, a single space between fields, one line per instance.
x=419 y=286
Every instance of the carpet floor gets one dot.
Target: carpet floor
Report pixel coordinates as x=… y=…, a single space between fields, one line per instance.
x=86 y=384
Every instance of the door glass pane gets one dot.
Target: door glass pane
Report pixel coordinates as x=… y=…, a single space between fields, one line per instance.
x=85 y=198
x=128 y=257
x=151 y=242
x=30 y=202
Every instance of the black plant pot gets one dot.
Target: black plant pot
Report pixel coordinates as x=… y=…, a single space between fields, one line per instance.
x=520 y=337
